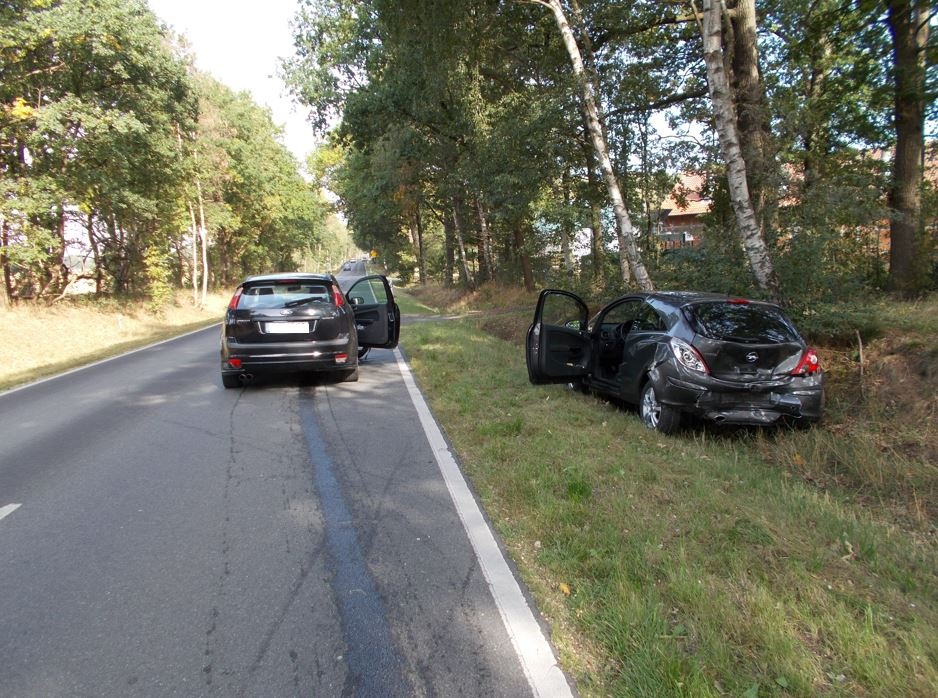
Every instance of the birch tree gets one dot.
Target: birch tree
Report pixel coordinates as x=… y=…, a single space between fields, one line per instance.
x=591 y=107
x=725 y=116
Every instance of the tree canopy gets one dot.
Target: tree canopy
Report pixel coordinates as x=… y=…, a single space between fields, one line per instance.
x=109 y=142
x=466 y=151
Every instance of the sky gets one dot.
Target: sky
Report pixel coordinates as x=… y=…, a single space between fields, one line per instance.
x=240 y=42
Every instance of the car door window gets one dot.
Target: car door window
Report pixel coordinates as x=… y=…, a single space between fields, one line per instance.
x=369 y=291
x=620 y=314
x=561 y=311
x=647 y=319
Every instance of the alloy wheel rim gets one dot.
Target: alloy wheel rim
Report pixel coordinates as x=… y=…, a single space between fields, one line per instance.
x=651 y=410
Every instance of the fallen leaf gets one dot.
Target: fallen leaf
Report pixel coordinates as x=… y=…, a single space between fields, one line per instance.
x=797 y=459
x=565 y=588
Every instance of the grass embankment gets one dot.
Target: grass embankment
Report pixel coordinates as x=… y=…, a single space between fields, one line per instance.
x=45 y=340
x=714 y=563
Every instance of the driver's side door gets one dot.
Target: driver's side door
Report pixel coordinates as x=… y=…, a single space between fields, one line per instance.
x=377 y=316
x=558 y=348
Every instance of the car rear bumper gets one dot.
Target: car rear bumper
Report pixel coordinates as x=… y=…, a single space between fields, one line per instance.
x=326 y=355
x=743 y=403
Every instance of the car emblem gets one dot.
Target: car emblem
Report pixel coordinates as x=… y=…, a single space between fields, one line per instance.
x=752 y=357
x=286 y=312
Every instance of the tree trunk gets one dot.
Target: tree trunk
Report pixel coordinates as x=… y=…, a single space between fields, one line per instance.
x=96 y=256
x=486 y=267
x=6 y=296
x=449 y=243
x=203 y=239
x=527 y=271
x=421 y=247
x=566 y=232
x=593 y=119
x=194 y=230
x=908 y=260
x=464 y=276
x=725 y=116
x=751 y=111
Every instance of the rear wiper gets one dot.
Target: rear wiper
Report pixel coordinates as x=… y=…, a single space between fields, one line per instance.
x=741 y=340
x=303 y=301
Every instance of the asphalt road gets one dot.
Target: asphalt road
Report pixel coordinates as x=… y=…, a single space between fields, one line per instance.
x=290 y=538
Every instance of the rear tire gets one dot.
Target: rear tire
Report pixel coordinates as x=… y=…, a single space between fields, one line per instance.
x=230 y=380
x=655 y=415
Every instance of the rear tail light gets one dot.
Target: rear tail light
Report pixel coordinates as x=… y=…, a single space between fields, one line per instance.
x=233 y=303
x=234 y=363
x=341 y=358
x=738 y=301
x=688 y=357
x=337 y=296
x=809 y=364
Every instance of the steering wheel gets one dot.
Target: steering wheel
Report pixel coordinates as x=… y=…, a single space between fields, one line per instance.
x=622 y=329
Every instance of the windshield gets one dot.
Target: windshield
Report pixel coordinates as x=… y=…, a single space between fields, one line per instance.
x=280 y=294
x=741 y=322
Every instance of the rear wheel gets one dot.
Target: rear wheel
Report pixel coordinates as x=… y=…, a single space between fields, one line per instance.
x=657 y=416
x=230 y=380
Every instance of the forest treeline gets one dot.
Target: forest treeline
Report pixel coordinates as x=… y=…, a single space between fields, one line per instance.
x=122 y=164
x=468 y=140
x=526 y=141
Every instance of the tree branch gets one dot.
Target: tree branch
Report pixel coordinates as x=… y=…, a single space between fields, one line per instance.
x=662 y=103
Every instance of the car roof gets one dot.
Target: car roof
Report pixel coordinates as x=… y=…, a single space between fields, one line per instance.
x=284 y=276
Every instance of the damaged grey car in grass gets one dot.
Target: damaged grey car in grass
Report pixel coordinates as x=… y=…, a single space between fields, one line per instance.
x=728 y=360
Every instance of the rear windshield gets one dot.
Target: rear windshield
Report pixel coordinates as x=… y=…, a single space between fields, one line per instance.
x=740 y=322
x=281 y=294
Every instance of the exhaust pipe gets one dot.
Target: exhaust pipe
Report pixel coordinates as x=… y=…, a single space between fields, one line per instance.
x=245 y=378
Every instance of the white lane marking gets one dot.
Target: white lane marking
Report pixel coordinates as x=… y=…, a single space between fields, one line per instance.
x=8 y=509
x=534 y=652
x=4 y=393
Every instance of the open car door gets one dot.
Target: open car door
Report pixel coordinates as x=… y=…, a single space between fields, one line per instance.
x=377 y=317
x=558 y=348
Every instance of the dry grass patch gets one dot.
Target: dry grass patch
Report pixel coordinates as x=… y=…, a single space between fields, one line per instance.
x=51 y=339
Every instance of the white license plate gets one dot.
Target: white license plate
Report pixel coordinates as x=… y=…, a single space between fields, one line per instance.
x=287 y=327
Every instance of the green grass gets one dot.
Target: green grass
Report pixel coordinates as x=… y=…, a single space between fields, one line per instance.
x=410 y=305
x=695 y=565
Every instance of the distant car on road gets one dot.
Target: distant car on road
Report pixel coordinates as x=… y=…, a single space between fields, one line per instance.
x=304 y=322
x=728 y=360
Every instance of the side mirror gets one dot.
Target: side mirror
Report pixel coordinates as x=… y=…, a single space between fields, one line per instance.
x=357 y=300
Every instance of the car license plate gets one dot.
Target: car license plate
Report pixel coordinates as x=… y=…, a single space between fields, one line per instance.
x=287 y=327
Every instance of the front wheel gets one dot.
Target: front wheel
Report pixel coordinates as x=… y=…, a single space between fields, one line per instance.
x=657 y=416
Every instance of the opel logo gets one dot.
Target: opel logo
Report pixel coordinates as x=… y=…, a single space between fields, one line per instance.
x=752 y=357
x=286 y=312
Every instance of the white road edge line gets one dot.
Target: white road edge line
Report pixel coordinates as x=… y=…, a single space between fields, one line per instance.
x=8 y=509
x=534 y=652
x=4 y=393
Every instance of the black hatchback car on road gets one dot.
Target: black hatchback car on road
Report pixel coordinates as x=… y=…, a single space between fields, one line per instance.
x=304 y=322
x=728 y=360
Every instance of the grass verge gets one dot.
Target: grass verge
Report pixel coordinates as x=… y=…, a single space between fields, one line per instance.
x=46 y=340
x=688 y=566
